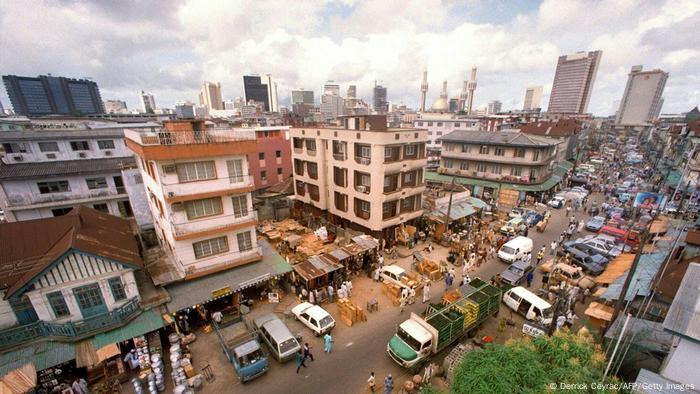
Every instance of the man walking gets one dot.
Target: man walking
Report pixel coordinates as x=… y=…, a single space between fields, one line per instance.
x=530 y=277
x=540 y=255
x=553 y=245
x=370 y=381
x=388 y=384
x=300 y=360
x=307 y=350
x=426 y=293
x=328 y=340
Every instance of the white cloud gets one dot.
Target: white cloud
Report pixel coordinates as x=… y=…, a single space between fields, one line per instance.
x=170 y=47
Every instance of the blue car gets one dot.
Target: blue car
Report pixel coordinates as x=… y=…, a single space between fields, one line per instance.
x=532 y=218
x=595 y=223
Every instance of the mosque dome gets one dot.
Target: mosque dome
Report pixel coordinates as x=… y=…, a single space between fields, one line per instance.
x=440 y=105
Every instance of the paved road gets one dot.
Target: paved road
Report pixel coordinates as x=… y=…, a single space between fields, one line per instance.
x=358 y=349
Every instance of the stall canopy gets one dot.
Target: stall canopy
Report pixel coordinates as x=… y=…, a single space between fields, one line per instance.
x=192 y=292
x=648 y=334
x=367 y=242
x=615 y=269
x=18 y=381
x=42 y=354
x=146 y=322
x=337 y=255
x=641 y=281
x=316 y=267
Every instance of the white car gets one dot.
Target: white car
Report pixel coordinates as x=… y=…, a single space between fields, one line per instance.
x=393 y=274
x=556 y=202
x=314 y=317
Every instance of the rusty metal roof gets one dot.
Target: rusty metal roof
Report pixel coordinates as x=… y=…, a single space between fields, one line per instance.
x=315 y=267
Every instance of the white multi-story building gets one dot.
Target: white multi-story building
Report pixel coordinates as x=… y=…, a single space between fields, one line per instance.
x=210 y=96
x=47 y=173
x=148 y=102
x=494 y=107
x=366 y=175
x=198 y=186
x=533 y=96
x=573 y=82
x=332 y=106
x=437 y=125
x=115 y=107
x=642 y=100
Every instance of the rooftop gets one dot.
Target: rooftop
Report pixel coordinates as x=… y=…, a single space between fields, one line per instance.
x=560 y=128
x=34 y=135
x=506 y=138
x=59 y=168
x=31 y=246
x=683 y=318
x=160 y=136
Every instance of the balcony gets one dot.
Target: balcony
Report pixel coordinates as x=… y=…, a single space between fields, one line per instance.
x=51 y=199
x=339 y=156
x=222 y=262
x=197 y=228
x=175 y=191
x=362 y=215
x=165 y=137
x=491 y=158
x=71 y=331
x=363 y=160
x=362 y=189
x=160 y=144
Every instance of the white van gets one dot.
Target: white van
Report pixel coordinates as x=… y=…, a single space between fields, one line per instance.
x=529 y=305
x=515 y=249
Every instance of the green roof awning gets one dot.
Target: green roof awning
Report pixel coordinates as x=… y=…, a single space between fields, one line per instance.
x=673 y=178
x=42 y=354
x=146 y=322
x=566 y=164
x=546 y=185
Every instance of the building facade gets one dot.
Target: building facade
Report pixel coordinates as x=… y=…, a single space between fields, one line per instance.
x=198 y=186
x=361 y=174
x=573 y=82
x=148 y=102
x=494 y=107
x=255 y=90
x=642 y=100
x=533 y=96
x=210 y=96
x=47 y=173
x=379 y=99
x=302 y=96
x=49 y=95
x=115 y=107
x=272 y=163
x=438 y=125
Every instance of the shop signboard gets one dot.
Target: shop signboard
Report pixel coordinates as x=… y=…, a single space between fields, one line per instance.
x=647 y=200
x=533 y=331
x=221 y=292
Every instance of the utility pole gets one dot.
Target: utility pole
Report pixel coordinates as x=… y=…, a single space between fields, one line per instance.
x=621 y=300
x=449 y=204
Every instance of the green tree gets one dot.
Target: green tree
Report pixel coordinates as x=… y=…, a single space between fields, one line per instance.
x=537 y=365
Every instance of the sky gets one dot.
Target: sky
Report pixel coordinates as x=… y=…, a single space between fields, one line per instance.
x=168 y=47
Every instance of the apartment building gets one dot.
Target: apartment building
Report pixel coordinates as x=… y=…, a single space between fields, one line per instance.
x=438 y=125
x=198 y=186
x=46 y=173
x=360 y=174
x=504 y=159
x=272 y=163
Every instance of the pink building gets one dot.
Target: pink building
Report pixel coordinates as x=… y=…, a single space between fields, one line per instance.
x=273 y=162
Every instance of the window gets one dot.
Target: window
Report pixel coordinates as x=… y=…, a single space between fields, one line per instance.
x=464 y=165
x=465 y=148
x=298 y=143
x=363 y=205
x=363 y=179
x=261 y=156
x=79 y=145
x=279 y=171
x=499 y=151
x=263 y=175
x=210 y=247
x=536 y=155
x=58 y=304
x=410 y=150
x=198 y=171
x=430 y=124
x=96 y=183
x=450 y=147
x=60 y=211
x=409 y=177
x=519 y=152
x=496 y=169
x=516 y=171
x=313 y=192
x=278 y=153
x=448 y=163
x=53 y=187
x=298 y=167
x=457 y=124
x=240 y=205
x=312 y=168
x=481 y=167
x=48 y=146
x=388 y=152
x=341 y=202
x=365 y=151
x=439 y=133
x=201 y=208
x=439 y=124
x=117 y=287
x=105 y=144
x=125 y=210
x=311 y=144
x=339 y=175
x=19 y=147
x=245 y=242
x=101 y=207
x=484 y=150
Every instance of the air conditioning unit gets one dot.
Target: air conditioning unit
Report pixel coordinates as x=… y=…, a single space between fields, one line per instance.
x=361 y=189
x=178 y=207
x=171 y=194
x=82 y=154
x=50 y=155
x=169 y=168
x=18 y=158
x=108 y=153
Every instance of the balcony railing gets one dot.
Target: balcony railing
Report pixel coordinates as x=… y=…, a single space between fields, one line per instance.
x=339 y=156
x=25 y=199
x=212 y=223
x=362 y=214
x=363 y=160
x=71 y=331
x=362 y=189
x=173 y=188
x=165 y=137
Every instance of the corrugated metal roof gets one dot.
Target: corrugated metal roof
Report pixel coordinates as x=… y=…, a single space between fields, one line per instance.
x=649 y=334
x=641 y=281
x=147 y=321
x=53 y=169
x=653 y=383
x=42 y=354
x=316 y=266
x=683 y=317
x=616 y=268
x=509 y=138
x=366 y=241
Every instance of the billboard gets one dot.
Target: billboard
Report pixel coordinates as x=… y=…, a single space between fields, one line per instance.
x=648 y=200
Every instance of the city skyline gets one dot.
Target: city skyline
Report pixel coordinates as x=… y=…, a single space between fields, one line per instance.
x=164 y=50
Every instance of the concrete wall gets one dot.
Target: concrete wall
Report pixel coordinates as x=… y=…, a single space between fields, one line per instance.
x=7 y=315
x=681 y=364
x=66 y=153
x=133 y=180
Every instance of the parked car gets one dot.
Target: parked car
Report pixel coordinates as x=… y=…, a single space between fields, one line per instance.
x=532 y=218
x=556 y=202
x=512 y=226
x=564 y=272
x=515 y=249
x=517 y=212
x=516 y=272
x=314 y=317
x=593 y=264
x=580 y=189
x=602 y=246
x=393 y=274
x=595 y=223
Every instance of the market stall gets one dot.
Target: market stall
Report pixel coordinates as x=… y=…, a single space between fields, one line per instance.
x=317 y=272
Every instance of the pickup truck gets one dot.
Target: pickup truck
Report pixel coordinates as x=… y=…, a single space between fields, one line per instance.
x=419 y=337
x=242 y=350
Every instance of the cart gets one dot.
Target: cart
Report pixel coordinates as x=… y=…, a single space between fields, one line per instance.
x=541 y=226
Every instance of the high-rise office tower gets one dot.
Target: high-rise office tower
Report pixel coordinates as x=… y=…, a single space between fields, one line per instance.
x=148 y=102
x=533 y=96
x=271 y=86
x=49 y=95
x=379 y=99
x=352 y=92
x=573 y=82
x=471 y=89
x=115 y=106
x=302 y=96
x=642 y=100
x=331 y=88
x=494 y=107
x=210 y=96
x=423 y=91
x=256 y=91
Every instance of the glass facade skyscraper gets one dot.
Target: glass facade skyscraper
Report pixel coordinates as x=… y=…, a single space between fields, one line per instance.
x=49 y=95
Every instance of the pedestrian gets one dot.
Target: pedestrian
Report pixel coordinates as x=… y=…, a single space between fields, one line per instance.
x=331 y=293
x=370 y=381
x=328 y=340
x=560 y=322
x=530 y=277
x=388 y=384
x=426 y=293
x=349 y=285
x=402 y=304
x=553 y=245
x=561 y=238
x=344 y=289
x=404 y=292
x=300 y=360
x=465 y=268
x=132 y=359
x=80 y=386
x=307 y=352
x=312 y=299
x=412 y=296
x=304 y=293
x=540 y=255
x=452 y=272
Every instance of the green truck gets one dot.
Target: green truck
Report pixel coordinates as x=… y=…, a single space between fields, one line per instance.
x=419 y=337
